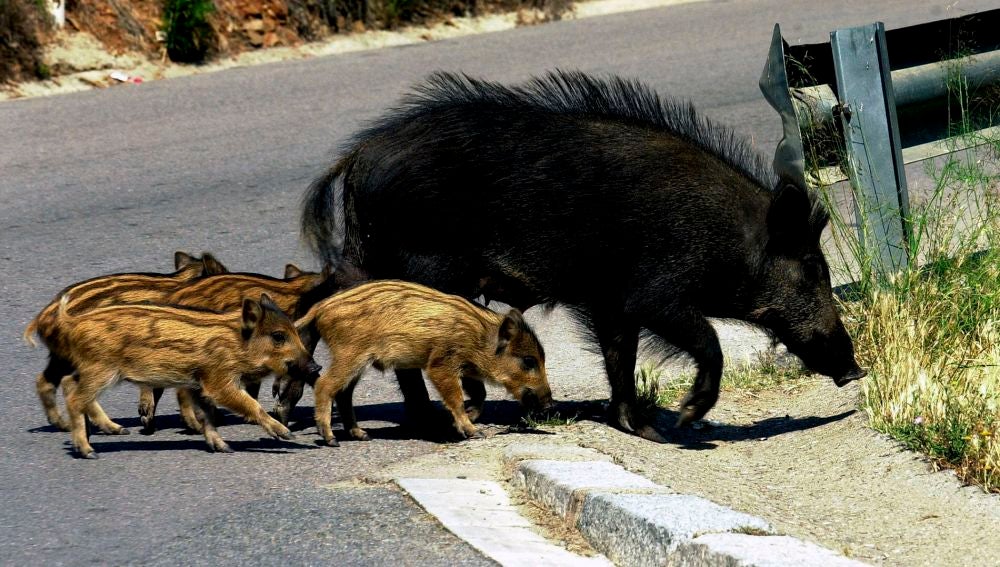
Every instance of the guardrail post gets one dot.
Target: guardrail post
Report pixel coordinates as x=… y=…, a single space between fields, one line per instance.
x=874 y=156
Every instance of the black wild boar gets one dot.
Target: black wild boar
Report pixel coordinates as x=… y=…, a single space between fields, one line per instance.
x=598 y=194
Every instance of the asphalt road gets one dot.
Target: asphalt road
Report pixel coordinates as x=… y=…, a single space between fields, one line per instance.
x=117 y=179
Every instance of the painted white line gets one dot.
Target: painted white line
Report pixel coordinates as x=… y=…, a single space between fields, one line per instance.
x=480 y=513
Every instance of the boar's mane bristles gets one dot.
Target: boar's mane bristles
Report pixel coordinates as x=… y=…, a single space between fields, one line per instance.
x=573 y=93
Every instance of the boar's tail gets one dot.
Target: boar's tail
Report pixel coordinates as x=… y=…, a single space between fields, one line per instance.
x=319 y=221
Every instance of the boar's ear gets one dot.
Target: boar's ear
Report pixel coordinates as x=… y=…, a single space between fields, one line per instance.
x=252 y=314
x=509 y=328
x=292 y=271
x=183 y=260
x=212 y=265
x=788 y=220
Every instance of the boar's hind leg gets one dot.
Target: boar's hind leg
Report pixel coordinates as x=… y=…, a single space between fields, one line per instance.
x=148 y=400
x=694 y=335
x=416 y=402
x=619 y=344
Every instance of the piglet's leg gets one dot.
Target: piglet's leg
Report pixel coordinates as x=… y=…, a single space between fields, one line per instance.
x=225 y=393
x=187 y=401
x=203 y=411
x=148 y=398
x=449 y=384
x=345 y=405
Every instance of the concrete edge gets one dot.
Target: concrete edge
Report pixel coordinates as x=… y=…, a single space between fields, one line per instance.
x=634 y=521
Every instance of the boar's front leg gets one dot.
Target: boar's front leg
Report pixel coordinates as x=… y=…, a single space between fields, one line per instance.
x=416 y=402
x=693 y=334
x=620 y=344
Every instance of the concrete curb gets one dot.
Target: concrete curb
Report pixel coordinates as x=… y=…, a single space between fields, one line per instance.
x=634 y=521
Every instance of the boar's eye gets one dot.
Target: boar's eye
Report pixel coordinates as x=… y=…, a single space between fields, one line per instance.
x=529 y=363
x=279 y=337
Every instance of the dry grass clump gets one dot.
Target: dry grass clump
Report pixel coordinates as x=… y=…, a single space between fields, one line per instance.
x=930 y=335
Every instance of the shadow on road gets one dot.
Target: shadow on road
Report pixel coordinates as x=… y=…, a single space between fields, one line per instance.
x=436 y=426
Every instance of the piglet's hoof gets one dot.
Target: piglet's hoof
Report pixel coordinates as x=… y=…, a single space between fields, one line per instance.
x=477 y=434
x=332 y=442
x=122 y=431
x=223 y=448
x=91 y=455
x=359 y=434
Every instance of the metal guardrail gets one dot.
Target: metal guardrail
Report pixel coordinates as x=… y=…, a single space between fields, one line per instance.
x=870 y=101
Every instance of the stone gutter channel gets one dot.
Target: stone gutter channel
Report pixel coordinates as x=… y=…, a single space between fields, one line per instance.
x=627 y=517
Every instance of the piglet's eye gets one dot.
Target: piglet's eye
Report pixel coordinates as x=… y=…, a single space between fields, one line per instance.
x=529 y=362
x=279 y=337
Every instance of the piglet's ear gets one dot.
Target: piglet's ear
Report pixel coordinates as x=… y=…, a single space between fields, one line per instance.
x=292 y=271
x=509 y=328
x=183 y=260
x=212 y=265
x=252 y=314
x=267 y=303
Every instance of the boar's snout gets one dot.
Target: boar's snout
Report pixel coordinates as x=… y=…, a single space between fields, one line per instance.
x=850 y=376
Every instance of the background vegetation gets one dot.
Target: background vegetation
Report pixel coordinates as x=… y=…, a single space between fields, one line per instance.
x=24 y=25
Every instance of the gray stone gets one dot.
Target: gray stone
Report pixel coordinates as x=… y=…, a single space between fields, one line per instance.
x=554 y=452
x=562 y=485
x=741 y=550
x=634 y=529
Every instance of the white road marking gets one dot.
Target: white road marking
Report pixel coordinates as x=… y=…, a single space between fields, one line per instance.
x=480 y=513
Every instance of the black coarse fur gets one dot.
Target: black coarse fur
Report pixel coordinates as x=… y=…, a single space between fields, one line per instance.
x=597 y=194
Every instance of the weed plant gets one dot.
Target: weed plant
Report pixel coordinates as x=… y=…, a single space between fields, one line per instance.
x=189 y=35
x=929 y=334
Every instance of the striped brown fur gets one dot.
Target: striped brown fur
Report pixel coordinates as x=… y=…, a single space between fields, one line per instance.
x=395 y=324
x=202 y=351
x=223 y=293
x=98 y=292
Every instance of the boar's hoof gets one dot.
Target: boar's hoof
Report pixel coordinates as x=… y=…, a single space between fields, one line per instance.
x=695 y=406
x=650 y=434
